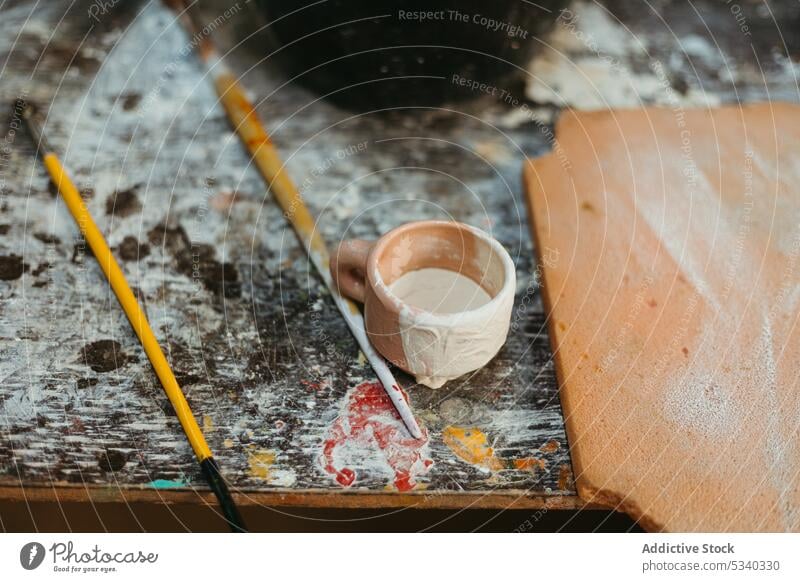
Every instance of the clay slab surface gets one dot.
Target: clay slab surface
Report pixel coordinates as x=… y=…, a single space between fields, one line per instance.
x=669 y=241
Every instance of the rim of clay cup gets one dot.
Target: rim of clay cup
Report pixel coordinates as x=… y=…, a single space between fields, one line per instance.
x=390 y=299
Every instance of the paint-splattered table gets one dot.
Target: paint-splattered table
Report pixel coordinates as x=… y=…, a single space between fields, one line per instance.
x=264 y=358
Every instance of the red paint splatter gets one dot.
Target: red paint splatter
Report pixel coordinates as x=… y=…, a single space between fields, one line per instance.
x=370 y=420
x=317 y=386
x=346 y=476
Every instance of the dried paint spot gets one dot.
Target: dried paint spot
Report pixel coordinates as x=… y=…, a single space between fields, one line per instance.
x=41 y=268
x=260 y=463
x=123 y=203
x=197 y=261
x=130 y=249
x=168 y=237
x=167 y=484
x=223 y=201
x=472 y=446
x=530 y=464
x=130 y=101
x=11 y=267
x=47 y=238
x=314 y=386
x=111 y=460
x=550 y=447
x=104 y=355
x=565 y=478
x=187 y=378
x=370 y=422
x=84 y=383
x=80 y=250
x=166 y=406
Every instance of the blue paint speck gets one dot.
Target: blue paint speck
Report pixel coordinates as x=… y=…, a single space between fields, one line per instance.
x=166 y=484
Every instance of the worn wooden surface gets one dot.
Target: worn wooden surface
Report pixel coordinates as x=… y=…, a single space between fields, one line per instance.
x=260 y=349
x=264 y=358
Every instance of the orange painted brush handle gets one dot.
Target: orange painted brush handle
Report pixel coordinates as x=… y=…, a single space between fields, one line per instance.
x=247 y=124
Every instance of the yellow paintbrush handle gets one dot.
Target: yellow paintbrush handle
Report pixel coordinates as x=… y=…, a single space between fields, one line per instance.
x=128 y=301
x=249 y=127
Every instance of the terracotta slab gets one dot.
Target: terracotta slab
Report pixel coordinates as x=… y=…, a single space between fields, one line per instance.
x=670 y=247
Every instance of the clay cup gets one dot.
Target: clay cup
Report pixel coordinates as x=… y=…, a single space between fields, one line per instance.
x=433 y=347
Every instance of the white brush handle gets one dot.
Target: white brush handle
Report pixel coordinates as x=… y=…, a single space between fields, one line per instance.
x=355 y=321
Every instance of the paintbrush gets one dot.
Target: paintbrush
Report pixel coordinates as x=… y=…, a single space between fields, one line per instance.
x=136 y=316
x=247 y=124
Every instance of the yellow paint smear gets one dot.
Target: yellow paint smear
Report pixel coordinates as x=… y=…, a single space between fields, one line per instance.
x=260 y=463
x=472 y=446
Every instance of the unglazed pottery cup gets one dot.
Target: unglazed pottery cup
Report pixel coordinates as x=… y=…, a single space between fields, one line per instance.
x=434 y=347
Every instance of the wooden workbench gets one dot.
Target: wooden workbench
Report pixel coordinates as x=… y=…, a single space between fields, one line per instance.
x=267 y=364
x=265 y=360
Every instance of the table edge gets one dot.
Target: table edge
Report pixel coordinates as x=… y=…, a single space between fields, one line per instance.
x=353 y=499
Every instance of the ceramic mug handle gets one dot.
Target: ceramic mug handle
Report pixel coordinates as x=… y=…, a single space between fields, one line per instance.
x=348 y=268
